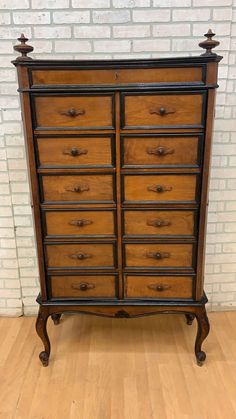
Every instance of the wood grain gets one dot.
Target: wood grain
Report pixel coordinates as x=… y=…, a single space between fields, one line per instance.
x=99 y=286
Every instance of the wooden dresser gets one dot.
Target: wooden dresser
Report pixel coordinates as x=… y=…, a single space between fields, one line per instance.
x=119 y=156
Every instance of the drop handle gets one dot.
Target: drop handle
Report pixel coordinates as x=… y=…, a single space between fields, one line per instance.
x=74 y=151
x=77 y=188
x=161 y=111
x=157 y=255
x=159 y=287
x=160 y=151
x=73 y=112
x=80 y=256
x=159 y=188
x=80 y=223
x=158 y=223
x=82 y=286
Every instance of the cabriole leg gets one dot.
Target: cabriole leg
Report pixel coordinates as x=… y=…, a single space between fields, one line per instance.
x=56 y=318
x=41 y=329
x=189 y=318
x=202 y=332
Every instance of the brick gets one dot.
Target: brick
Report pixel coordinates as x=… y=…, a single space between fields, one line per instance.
x=33 y=18
x=171 y=3
x=52 y=32
x=14 y=32
x=133 y=31
x=151 y=16
x=194 y=15
x=112 y=46
x=171 y=29
x=7 y=75
x=11 y=115
x=151 y=45
x=222 y=14
x=184 y=45
x=50 y=4
x=212 y=3
x=14 y=4
x=94 y=31
x=8 y=243
x=9 y=273
x=5 y=18
x=90 y=4
x=219 y=28
x=130 y=3
x=110 y=16
x=71 y=17
x=72 y=46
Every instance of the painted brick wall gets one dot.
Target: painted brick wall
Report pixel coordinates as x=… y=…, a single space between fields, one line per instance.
x=113 y=29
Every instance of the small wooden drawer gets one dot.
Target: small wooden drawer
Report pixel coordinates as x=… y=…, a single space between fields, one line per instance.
x=161 y=150
x=158 y=287
x=117 y=75
x=75 y=111
x=81 y=255
x=168 y=223
x=160 y=188
x=158 y=255
x=167 y=110
x=83 y=286
x=75 y=152
x=79 y=223
x=78 y=188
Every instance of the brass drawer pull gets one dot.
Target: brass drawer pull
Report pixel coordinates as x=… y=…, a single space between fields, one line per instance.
x=161 y=111
x=158 y=223
x=159 y=287
x=159 y=188
x=157 y=255
x=80 y=256
x=77 y=188
x=75 y=151
x=83 y=286
x=80 y=223
x=73 y=112
x=160 y=151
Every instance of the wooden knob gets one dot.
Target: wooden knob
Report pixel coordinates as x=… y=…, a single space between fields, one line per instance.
x=23 y=48
x=209 y=43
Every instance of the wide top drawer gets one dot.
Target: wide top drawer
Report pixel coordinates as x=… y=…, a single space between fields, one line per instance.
x=117 y=76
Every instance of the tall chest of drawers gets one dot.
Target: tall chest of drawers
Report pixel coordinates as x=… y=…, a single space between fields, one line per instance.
x=119 y=156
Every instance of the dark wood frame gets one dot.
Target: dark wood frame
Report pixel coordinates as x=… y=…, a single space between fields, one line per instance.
x=121 y=307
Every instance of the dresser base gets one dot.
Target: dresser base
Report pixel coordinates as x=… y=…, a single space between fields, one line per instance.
x=123 y=310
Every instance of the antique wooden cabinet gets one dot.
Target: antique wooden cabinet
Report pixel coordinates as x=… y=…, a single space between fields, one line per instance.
x=119 y=154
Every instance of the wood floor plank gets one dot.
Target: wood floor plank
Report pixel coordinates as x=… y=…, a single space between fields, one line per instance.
x=118 y=369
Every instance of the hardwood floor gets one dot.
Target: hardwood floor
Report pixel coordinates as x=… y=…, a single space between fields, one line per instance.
x=118 y=369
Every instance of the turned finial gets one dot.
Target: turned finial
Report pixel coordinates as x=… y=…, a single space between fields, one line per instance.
x=209 y=43
x=23 y=48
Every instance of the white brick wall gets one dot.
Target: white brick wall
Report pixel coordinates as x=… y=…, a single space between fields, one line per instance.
x=113 y=29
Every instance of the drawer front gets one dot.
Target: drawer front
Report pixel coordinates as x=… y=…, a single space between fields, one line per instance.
x=75 y=152
x=160 y=188
x=158 y=287
x=159 y=223
x=83 y=286
x=80 y=255
x=159 y=150
x=158 y=255
x=78 y=188
x=117 y=76
x=79 y=223
x=162 y=110
x=77 y=112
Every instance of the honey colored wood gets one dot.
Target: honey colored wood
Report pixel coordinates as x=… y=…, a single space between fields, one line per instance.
x=54 y=111
x=80 y=223
x=158 y=287
x=83 y=286
x=174 y=188
x=117 y=76
x=160 y=151
x=78 y=188
x=80 y=255
x=144 y=255
x=83 y=360
x=74 y=152
x=158 y=223
x=142 y=110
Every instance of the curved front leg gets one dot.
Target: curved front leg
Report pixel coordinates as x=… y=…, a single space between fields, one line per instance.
x=189 y=318
x=41 y=329
x=56 y=318
x=202 y=332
